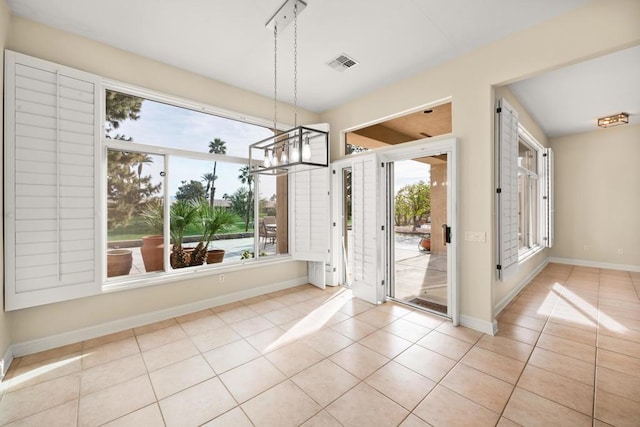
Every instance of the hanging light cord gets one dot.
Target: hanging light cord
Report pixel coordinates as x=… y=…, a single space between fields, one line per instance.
x=295 y=64
x=275 y=78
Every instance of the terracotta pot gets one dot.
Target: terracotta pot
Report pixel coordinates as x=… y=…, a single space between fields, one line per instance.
x=152 y=253
x=215 y=256
x=119 y=262
x=425 y=244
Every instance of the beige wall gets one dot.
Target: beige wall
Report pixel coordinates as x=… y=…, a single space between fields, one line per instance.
x=43 y=42
x=597 y=183
x=586 y=32
x=5 y=318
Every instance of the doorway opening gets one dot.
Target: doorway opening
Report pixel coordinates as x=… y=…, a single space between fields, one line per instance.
x=418 y=232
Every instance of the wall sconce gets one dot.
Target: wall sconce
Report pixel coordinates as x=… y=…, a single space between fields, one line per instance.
x=614 y=120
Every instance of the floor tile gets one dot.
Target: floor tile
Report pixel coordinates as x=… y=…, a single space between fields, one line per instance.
x=523 y=321
x=576 y=334
x=413 y=421
x=112 y=373
x=482 y=388
x=294 y=358
x=230 y=356
x=251 y=326
x=327 y=342
x=50 y=354
x=106 y=339
x=234 y=418
x=160 y=337
x=154 y=326
x=563 y=365
x=377 y=318
x=31 y=400
x=283 y=405
x=393 y=308
x=506 y=422
x=385 y=343
x=237 y=314
x=202 y=325
x=179 y=376
x=251 y=379
x=618 y=345
x=529 y=409
x=322 y=419
x=400 y=384
x=168 y=354
x=214 y=339
x=365 y=406
x=59 y=416
x=567 y=392
x=619 y=362
x=408 y=330
x=506 y=347
x=113 y=402
x=460 y=332
x=426 y=362
x=436 y=409
x=269 y=340
x=193 y=316
x=41 y=371
x=109 y=352
x=282 y=315
x=196 y=405
x=567 y=347
x=497 y=365
x=618 y=383
x=149 y=416
x=265 y=306
x=325 y=381
x=446 y=345
x=354 y=329
x=359 y=360
x=424 y=319
x=616 y=410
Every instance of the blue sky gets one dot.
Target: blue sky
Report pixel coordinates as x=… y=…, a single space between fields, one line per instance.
x=170 y=126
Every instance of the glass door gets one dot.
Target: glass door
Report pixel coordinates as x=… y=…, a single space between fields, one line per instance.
x=418 y=232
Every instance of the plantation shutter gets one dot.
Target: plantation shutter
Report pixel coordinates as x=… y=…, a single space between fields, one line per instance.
x=365 y=228
x=507 y=187
x=548 y=198
x=309 y=218
x=51 y=135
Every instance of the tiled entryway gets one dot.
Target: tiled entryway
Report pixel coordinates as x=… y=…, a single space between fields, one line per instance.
x=568 y=353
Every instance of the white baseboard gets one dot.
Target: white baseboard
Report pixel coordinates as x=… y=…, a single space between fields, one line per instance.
x=78 y=335
x=585 y=263
x=520 y=286
x=489 y=328
x=5 y=362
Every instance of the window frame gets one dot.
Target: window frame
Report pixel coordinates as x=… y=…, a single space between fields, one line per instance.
x=536 y=246
x=170 y=275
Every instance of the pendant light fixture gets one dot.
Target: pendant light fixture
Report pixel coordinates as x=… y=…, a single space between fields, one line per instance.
x=299 y=148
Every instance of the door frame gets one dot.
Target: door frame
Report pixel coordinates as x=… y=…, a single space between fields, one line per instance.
x=420 y=148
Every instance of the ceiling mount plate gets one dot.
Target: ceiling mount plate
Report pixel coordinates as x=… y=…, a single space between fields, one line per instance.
x=284 y=15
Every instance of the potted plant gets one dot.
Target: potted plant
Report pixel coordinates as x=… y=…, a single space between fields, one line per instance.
x=213 y=220
x=152 y=246
x=183 y=214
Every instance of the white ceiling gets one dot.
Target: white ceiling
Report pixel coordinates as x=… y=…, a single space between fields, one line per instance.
x=227 y=40
x=571 y=99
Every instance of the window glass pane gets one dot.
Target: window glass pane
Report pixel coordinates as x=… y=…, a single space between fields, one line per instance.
x=272 y=214
x=134 y=213
x=522 y=211
x=207 y=213
x=527 y=157
x=155 y=123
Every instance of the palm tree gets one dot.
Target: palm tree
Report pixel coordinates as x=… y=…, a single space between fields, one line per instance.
x=217 y=146
x=246 y=178
x=209 y=178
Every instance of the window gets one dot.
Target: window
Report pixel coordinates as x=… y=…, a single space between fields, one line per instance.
x=528 y=212
x=161 y=153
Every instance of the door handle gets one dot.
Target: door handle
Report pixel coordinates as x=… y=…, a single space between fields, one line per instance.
x=446 y=234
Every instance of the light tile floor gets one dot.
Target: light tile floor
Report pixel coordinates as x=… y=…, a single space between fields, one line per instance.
x=568 y=353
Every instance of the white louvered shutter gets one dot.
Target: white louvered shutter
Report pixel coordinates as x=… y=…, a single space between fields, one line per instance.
x=309 y=218
x=550 y=208
x=506 y=187
x=51 y=135
x=365 y=228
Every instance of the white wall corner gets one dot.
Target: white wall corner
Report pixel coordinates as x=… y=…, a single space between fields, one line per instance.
x=519 y=287
x=489 y=328
x=78 y=335
x=5 y=362
x=585 y=263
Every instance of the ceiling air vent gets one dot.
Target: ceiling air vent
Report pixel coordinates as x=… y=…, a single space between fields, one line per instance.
x=342 y=62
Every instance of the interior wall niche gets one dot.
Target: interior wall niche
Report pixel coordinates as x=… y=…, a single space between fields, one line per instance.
x=426 y=123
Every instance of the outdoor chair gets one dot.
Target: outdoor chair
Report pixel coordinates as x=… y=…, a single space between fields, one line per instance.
x=269 y=236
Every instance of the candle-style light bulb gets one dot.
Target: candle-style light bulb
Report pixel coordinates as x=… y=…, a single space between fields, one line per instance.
x=284 y=157
x=306 y=149
x=266 y=162
x=295 y=154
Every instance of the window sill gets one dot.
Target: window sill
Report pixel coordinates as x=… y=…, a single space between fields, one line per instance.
x=190 y=273
x=525 y=254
